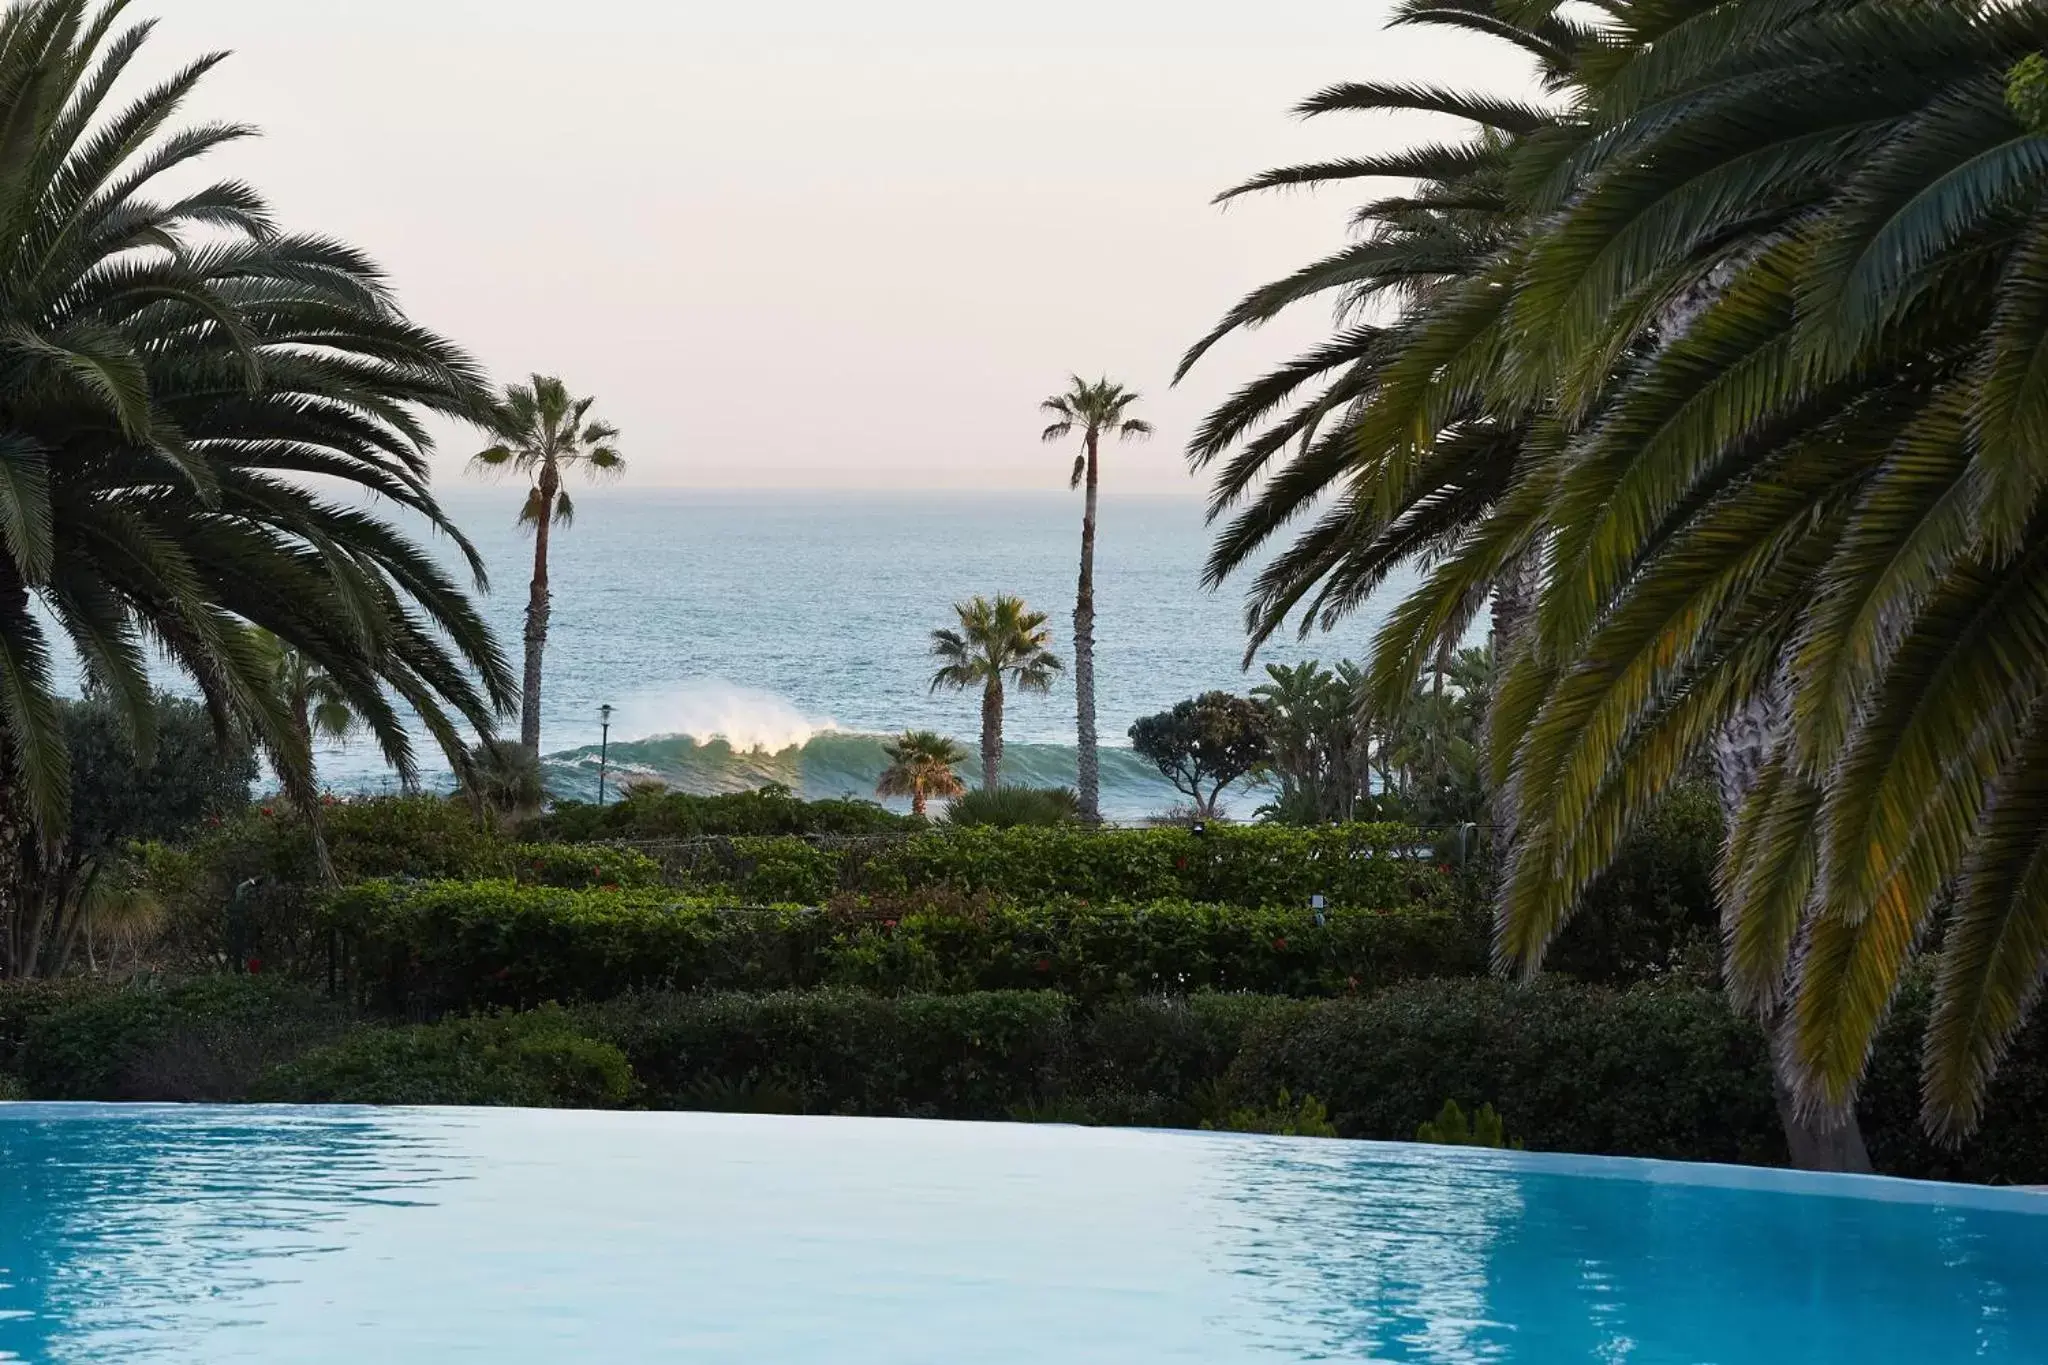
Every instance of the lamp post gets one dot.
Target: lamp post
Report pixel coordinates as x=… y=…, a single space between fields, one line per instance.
x=604 y=746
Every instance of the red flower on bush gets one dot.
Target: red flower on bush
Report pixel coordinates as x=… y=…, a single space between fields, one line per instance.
x=1280 y=945
x=255 y=966
x=1042 y=965
x=888 y=924
x=266 y=812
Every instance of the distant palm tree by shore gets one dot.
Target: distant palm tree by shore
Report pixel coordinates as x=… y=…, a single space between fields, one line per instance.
x=921 y=764
x=997 y=641
x=1097 y=410
x=542 y=433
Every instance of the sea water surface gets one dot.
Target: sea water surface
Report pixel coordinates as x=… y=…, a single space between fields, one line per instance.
x=750 y=637
x=323 y=1236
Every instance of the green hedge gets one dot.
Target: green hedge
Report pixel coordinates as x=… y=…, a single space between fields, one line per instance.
x=1666 y=1072
x=464 y=946
x=1368 y=867
x=840 y=1052
x=1654 y=1070
x=248 y=888
x=206 y=1040
x=769 y=810
x=536 y=1060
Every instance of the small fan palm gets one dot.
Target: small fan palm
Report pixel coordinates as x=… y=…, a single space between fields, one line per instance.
x=543 y=432
x=921 y=764
x=1098 y=410
x=998 y=642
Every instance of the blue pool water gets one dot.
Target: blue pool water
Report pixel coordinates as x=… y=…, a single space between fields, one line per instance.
x=223 y=1235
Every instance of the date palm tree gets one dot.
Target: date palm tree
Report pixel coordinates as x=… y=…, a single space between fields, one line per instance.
x=173 y=368
x=997 y=643
x=543 y=433
x=921 y=766
x=1098 y=411
x=1809 y=534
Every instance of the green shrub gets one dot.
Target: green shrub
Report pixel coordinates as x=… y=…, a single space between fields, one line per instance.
x=841 y=1052
x=2012 y=1144
x=1652 y=1071
x=531 y=1060
x=1369 y=867
x=1284 y=1117
x=24 y=1003
x=1654 y=911
x=206 y=1040
x=249 y=888
x=464 y=946
x=770 y=810
x=1014 y=807
x=1451 y=1128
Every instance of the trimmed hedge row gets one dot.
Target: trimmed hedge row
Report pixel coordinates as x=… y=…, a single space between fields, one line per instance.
x=206 y=1040
x=1648 y=1071
x=679 y=815
x=1367 y=867
x=471 y=945
x=534 y=1060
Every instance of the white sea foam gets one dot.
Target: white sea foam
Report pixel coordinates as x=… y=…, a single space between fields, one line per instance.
x=749 y=719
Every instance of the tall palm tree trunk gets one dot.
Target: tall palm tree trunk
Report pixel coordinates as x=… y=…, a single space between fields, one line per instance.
x=537 y=614
x=991 y=732
x=1089 y=786
x=1815 y=1142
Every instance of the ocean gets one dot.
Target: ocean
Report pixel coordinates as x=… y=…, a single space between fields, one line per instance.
x=743 y=638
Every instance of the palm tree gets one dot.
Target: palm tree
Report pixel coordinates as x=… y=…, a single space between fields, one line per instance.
x=543 y=433
x=1098 y=410
x=319 y=710
x=173 y=369
x=997 y=641
x=921 y=764
x=1782 y=486
x=1419 y=294
x=1852 y=620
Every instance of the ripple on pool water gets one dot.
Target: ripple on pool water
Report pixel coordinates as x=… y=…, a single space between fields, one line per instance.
x=217 y=1235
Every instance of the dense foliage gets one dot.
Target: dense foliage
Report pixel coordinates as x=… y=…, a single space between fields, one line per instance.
x=651 y=814
x=1650 y=1071
x=1719 y=374
x=458 y=945
x=536 y=1060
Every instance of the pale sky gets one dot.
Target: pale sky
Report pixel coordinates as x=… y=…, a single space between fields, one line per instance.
x=802 y=243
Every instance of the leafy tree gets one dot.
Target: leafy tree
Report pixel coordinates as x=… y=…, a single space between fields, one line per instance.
x=175 y=367
x=191 y=772
x=997 y=643
x=921 y=764
x=1204 y=744
x=1096 y=410
x=544 y=432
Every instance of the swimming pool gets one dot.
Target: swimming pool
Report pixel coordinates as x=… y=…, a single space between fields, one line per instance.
x=412 y=1236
